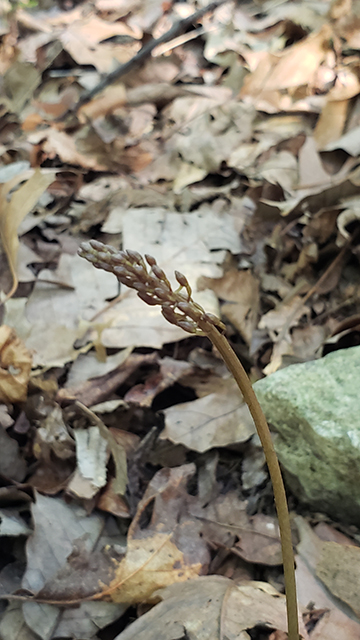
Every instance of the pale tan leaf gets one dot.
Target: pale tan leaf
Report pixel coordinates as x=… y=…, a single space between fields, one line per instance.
x=331 y=122
x=311 y=170
x=339 y=570
x=112 y=98
x=240 y=291
x=336 y=622
x=12 y=212
x=298 y=64
x=215 y=420
x=61 y=144
x=149 y=564
x=102 y=56
x=91 y=456
x=287 y=311
x=211 y=608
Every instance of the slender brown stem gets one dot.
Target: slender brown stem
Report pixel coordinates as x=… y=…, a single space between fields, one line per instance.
x=235 y=367
x=180 y=309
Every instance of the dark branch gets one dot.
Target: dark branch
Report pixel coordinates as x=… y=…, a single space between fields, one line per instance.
x=177 y=29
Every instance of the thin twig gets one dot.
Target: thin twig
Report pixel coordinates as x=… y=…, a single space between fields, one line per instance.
x=177 y=29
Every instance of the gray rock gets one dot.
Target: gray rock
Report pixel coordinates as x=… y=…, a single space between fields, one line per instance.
x=314 y=407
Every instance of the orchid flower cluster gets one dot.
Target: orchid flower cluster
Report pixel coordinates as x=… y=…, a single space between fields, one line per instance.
x=151 y=285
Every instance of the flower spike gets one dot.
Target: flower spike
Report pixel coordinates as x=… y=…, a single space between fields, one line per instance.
x=152 y=286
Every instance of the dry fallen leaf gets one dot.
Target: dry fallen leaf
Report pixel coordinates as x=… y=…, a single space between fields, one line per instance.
x=149 y=564
x=275 y=76
x=169 y=373
x=15 y=367
x=61 y=532
x=193 y=243
x=215 y=420
x=112 y=98
x=339 y=570
x=12 y=464
x=336 y=620
x=170 y=549
x=240 y=291
x=226 y=518
x=113 y=503
x=61 y=144
x=13 y=211
x=82 y=39
x=90 y=389
x=91 y=457
x=211 y=608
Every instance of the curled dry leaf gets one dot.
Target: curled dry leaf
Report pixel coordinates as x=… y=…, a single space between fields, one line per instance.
x=13 y=211
x=15 y=367
x=91 y=454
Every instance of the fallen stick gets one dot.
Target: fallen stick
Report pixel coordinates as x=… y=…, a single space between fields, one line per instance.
x=177 y=29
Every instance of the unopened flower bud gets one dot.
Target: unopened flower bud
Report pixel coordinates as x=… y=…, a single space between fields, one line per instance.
x=134 y=256
x=186 y=308
x=120 y=271
x=158 y=272
x=169 y=314
x=181 y=279
x=98 y=246
x=214 y=320
x=187 y=325
x=150 y=260
x=162 y=294
x=146 y=298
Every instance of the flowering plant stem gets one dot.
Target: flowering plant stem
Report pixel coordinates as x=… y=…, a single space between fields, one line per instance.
x=234 y=365
x=179 y=308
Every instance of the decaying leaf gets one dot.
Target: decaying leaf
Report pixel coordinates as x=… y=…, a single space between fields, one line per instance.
x=91 y=457
x=149 y=564
x=11 y=524
x=13 y=625
x=91 y=389
x=226 y=522
x=168 y=551
x=61 y=144
x=112 y=502
x=15 y=367
x=12 y=464
x=169 y=373
x=52 y=437
x=20 y=81
x=61 y=531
